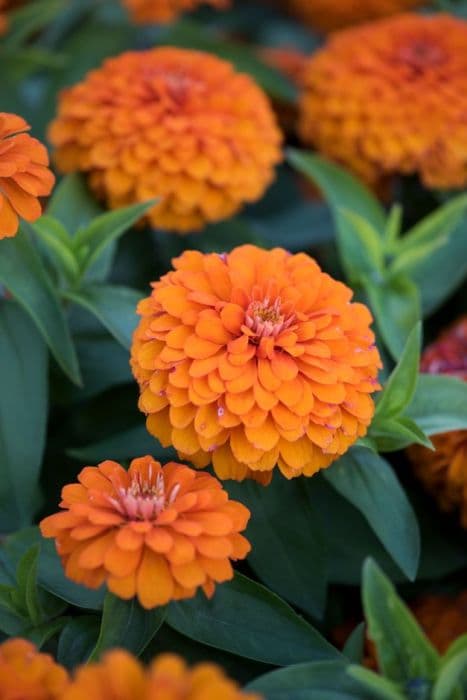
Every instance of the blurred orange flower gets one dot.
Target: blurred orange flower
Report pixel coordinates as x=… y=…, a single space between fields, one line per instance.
x=444 y=471
x=166 y=10
x=25 y=674
x=168 y=678
x=328 y=15
x=170 y=123
x=154 y=532
x=252 y=359
x=24 y=174
x=442 y=617
x=389 y=98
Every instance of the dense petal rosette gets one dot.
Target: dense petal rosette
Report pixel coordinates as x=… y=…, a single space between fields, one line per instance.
x=24 y=174
x=26 y=674
x=390 y=97
x=252 y=359
x=170 y=123
x=155 y=532
x=144 y=11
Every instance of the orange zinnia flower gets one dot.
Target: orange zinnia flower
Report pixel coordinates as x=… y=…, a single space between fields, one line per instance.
x=25 y=674
x=170 y=123
x=154 y=532
x=328 y=15
x=24 y=174
x=168 y=678
x=390 y=98
x=444 y=471
x=254 y=358
x=166 y=10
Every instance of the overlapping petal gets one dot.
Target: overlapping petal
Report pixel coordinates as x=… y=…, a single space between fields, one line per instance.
x=26 y=674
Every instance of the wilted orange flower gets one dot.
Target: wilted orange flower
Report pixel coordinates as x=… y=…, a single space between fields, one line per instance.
x=154 y=532
x=391 y=98
x=24 y=174
x=168 y=678
x=252 y=359
x=328 y=15
x=25 y=674
x=166 y=10
x=170 y=123
x=444 y=471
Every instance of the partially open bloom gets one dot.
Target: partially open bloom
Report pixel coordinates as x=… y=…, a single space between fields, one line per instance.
x=120 y=675
x=170 y=123
x=252 y=359
x=26 y=674
x=155 y=532
x=144 y=11
x=328 y=15
x=444 y=471
x=390 y=97
x=24 y=174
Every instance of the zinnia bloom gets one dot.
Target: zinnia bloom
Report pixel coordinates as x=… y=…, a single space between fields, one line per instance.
x=328 y=15
x=24 y=174
x=390 y=98
x=154 y=532
x=444 y=471
x=166 y=10
x=252 y=359
x=25 y=674
x=170 y=123
x=120 y=675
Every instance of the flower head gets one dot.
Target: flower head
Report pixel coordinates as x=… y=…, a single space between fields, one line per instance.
x=170 y=123
x=252 y=359
x=24 y=174
x=25 y=674
x=144 y=11
x=390 y=98
x=155 y=532
x=444 y=471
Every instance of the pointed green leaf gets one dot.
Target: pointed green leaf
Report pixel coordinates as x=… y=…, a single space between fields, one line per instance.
x=26 y=595
x=439 y=404
x=393 y=434
x=77 y=640
x=360 y=246
x=452 y=674
x=73 y=204
x=354 y=647
x=381 y=688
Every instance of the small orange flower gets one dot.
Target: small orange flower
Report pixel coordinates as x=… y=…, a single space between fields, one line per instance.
x=328 y=15
x=25 y=674
x=144 y=11
x=444 y=471
x=168 y=678
x=390 y=98
x=154 y=532
x=170 y=123
x=252 y=359
x=24 y=174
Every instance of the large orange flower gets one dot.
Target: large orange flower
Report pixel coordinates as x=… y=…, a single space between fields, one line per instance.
x=154 y=532
x=170 y=123
x=166 y=10
x=120 y=675
x=328 y=15
x=391 y=97
x=444 y=471
x=24 y=174
x=254 y=358
x=25 y=674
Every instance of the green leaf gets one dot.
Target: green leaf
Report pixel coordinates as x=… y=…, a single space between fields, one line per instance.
x=77 y=640
x=72 y=203
x=391 y=435
x=369 y=483
x=30 y=19
x=125 y=624
x=58 y=246
x=354 y=646
x=23 y=274
x=23 y=415
x=42 y=633
x=451 y=674
x=456 y=647
x=400 y=388
x=379 y=686
x=404 y=653
x=276 y=634
x=439 y=404
x=360 y=247
x=113 y=306
x=125 y=445
x=26 y=595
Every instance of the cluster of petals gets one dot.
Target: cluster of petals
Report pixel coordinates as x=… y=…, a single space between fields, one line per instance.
x=155 y=532
x=443 y=472
x=26 y=674
x=24 y=174
x=390 y=98
x=148 y=11
x=179 y=125
x=120 y=675
x=252 y=359
x=329 y=15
